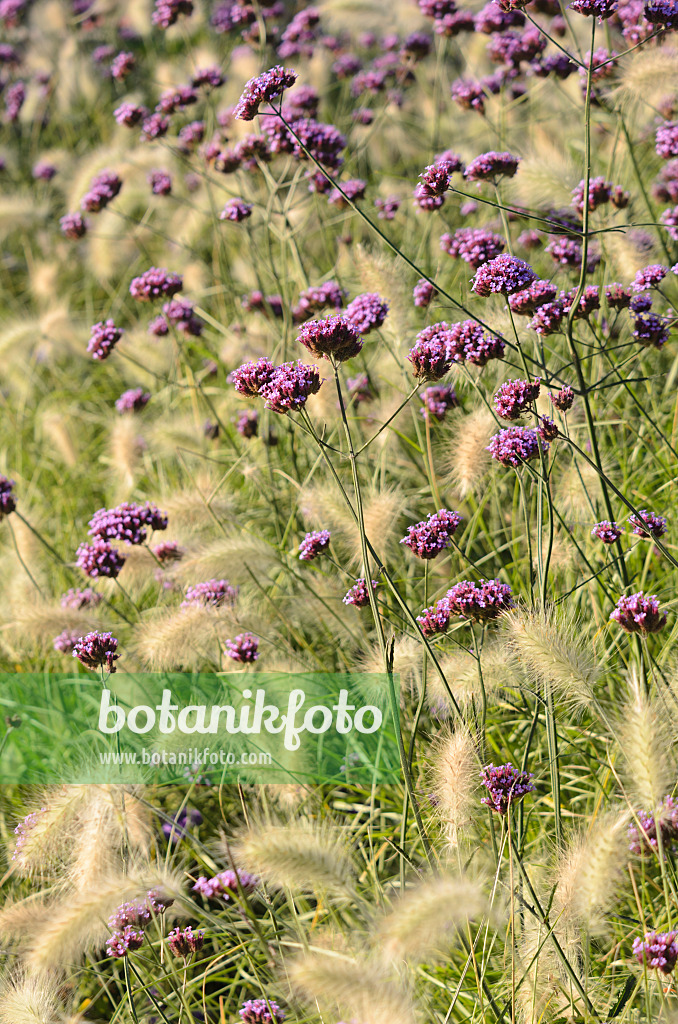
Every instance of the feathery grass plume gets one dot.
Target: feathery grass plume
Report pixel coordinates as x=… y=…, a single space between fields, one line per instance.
x=543 y=991
x=183 y=638
x=21 y=919
x=359 y=989
x=228 y=557
x=423 y=924
x=55 y=430
x=587 y=875
x=577 y=493
x=341 y=16
x=628 y=252
x=41 y=622
x=460 y=669
x=553 y=648
x=383 y=509
x=21 y=211
x=453 y=768
x=299 y=854
x=126 y=453
x=407 y=664
x=76 y=923
x=647 y=748
x=197 y=508
x=112 y=815
x=27 y=998
x=44 y=836
x=646 y=76
x=546 y=176
x=382 y=272
x=461 y=450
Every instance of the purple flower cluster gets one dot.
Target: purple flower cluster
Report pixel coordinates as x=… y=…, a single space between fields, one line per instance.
x=261 y=1011
x=473 y=245
x=249 y=378
x=434 y=181
x=211 y=594
x=129 y=522
x=601 y=9
x=423 y=292
x=99 y=559
x=176 y=829
x=66 y=641
x=515 y=396
x=515 y=445
x=23 y=829
x=180 y=314
x=666 y=140
x=262 y=89
x=562 y=400
x=236 y=210
x=290 y=386
x=505 y=786
x=105 y=336
x=73 y=226
x=160 y=182
x=431 y=536
x=600 y=192
x=155 y=283
x=437 y=400
x=650 y=330
x=547 y=318
x=636 y=613
x=7 y=499
x=661 y=12
x=225 y=885
x=314 y=299
x=97 y=650
x=489 y=166
x=606 y=531
x=669 y=219
x=649 y=277
x=130 y=919
x=644 y=836
x=366 y=312
x=657 y=950
x=313 y=545
x=358 y=595
x=243 y=648
x=103 y=188
x=125 y=941
x=78 y=599
x=529 y=299
x=185 y=942
x=480 y=602
x=133 y=400
x=336 y=337
x=353 y=190
x=247 y=423
x=166 y=12
x=647 y=524
x=505 y=274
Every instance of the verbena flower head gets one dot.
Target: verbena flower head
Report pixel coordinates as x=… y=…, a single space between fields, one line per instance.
x=505 y=786
x=77 y=599
x=643 y=836
x=438 y=399
x=313 y=299
x=366 y=312
x=129 y=522
x=650 y=330
x=243 y=648
x=601 y=9
x=261 y=1011
x=184 y=942
x=516 y=445
x=661 y=12
x=563 y=399
x=105 y=336
x=666 y=140
x=548 y=318
x=470 y=343
x=428 y=538
x=481 y=601
x=649 y=277
x=336 y=337
x=262 y=89
x=130 y=114
x=103 y=188
x=99 y=559
x=353 y=190
x=531 y=298
x=97 y=650
x=66 y=640
x=600 y=192
x=647 y=524
x=236 y=210
x=133 y=400
x=473 y=245
x=435 y=619
x=211 y=594
x=547 y=429
x=119 y=944
x=636 y=613
x=431 y=355
x=358 y=595
x=166 y=12
x=669 y=219
x=607 y=532
x=657 y=950
x=589 y=301
x=247 y=423
x=314 y=544
x=73 y=226
x=7 y=499
x=488 y=166
x=249 y=378
x=618 y=297
x=290 y=387
x=423 y=292
x=160 y=182
x=515 y=396
x=505 y=274
x=225 y=885
x=155 y=283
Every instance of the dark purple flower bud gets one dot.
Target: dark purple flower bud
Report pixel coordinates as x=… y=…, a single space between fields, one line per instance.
x=366 y=312
x=97 y=650
x=504 y=274
x=244 y=648
x=247 y=423
x=619 y=197
x=73 y=226
x=647 y=524
x=249 y=378
x=236 y=210
x=515 y=396
x=185 y=942
x=7 y=499
x=358 y=595
x=431 y=355
x=606 y=531
x=43 y=171
x=505 y=785
x=211 y=594
x=313 y=545
x=563 y=399
x=155 y=283
x=99 y=559
x=515 y=445
x=489 y=166
x=650 y=330
x=387 y=208
x=290 y=387
x=547 y=429
x=657 y=950
x=160 y=182
x=334 y=338
x=166 y=12
x=617 y=296
x=548 y=318
x=428 y=538
x=262 y=89
x=210 y=429
x=105 y=336
x=636 y=613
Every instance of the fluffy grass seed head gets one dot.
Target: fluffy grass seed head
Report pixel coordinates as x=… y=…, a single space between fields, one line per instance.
x=463 y=444
x=27 y=998
x=358 y=989
x=587 y=875
x=454 y=774
x=645 y=741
